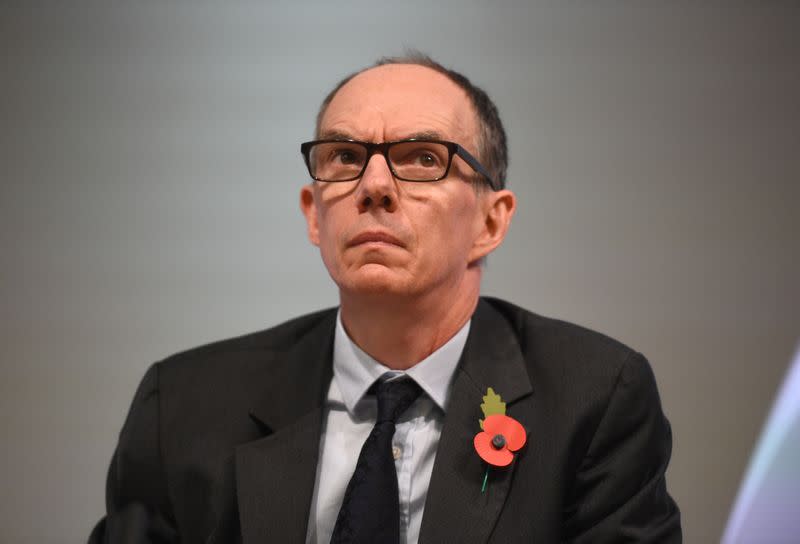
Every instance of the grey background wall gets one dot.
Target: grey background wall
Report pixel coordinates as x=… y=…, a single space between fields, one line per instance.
x=150 y=173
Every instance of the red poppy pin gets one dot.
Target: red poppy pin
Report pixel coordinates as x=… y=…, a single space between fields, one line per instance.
x=501 y=436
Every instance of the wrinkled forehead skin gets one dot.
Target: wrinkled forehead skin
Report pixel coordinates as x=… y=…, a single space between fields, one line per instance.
x=397 y=101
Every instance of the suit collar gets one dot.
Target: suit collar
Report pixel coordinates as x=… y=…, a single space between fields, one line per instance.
x=493 y=355
x=298 y=379
x=275 y=475
x=455 y=508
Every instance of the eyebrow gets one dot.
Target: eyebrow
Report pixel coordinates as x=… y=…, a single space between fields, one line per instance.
x=338 y=135
x=426 y=135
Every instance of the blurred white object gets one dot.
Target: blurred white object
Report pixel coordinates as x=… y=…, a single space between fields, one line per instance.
x=768 y=506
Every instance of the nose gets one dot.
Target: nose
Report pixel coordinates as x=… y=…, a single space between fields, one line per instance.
x=377 y=187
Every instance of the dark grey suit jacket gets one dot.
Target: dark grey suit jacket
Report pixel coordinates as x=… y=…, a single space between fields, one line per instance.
x=221 y=443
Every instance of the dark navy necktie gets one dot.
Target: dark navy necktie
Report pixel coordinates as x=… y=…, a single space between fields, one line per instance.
x=370 y=511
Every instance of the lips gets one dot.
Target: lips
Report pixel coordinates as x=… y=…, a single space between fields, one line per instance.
x=374 y=236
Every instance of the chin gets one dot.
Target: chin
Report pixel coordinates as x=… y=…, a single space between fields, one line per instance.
x=373 y=279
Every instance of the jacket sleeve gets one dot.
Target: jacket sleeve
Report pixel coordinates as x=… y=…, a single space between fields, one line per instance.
x=137 y=501
x=619 y=493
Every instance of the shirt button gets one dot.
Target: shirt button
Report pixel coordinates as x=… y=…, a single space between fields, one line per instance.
x=396 y=452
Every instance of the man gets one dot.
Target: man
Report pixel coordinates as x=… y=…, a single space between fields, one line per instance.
x=285 y=435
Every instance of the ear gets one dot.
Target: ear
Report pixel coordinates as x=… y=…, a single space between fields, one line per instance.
x=497 y=209
x=308 y=206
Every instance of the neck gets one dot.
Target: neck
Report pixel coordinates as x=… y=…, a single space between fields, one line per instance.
x=399 y=332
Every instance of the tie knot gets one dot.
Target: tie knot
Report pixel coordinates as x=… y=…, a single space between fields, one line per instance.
x=394 y=398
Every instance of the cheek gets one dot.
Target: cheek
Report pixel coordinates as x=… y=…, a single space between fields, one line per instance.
x=327 y=232
x=449 y=229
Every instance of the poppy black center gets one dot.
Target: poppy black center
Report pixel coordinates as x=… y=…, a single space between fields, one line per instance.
x=498 y=441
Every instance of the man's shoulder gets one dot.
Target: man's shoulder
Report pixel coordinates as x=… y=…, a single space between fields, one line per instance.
x=577 y=371
x=255 y=345
x=552 y=333
x=570 y=350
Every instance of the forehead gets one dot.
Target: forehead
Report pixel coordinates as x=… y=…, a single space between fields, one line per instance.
x=397 y=101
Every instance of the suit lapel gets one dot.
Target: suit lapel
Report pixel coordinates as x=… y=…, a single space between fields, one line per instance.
x=455 y=508
x=275 y=475
x=275 y=480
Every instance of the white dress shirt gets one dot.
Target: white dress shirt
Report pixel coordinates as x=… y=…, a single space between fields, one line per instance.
x=350 y=415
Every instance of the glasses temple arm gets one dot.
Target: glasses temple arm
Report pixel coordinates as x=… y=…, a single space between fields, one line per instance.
x=473 y=162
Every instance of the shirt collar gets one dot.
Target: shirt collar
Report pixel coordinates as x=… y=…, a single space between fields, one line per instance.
x=355 y=371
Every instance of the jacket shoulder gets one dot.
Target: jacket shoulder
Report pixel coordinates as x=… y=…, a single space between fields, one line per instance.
x=279 y=338
x=570 y=358
x=555 y=335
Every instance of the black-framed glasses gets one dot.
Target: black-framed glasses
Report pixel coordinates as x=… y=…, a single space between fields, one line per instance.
x=421 y=160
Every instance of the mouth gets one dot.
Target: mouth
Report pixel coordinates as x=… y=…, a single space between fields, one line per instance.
x=374 y=237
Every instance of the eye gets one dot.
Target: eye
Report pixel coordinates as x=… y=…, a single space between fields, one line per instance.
x=427 y=159
x=346 y=156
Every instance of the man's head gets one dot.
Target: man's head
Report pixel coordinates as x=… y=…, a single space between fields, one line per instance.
x=380 y=235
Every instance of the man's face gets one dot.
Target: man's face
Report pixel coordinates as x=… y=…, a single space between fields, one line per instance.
x=379 y=235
